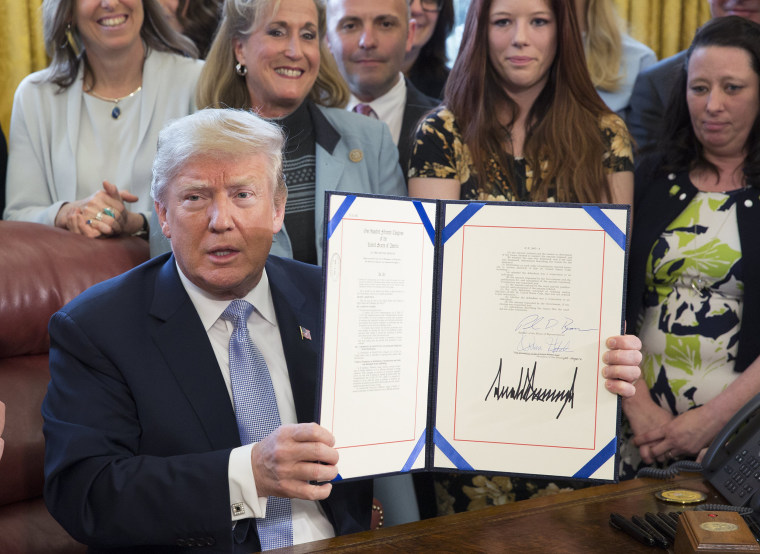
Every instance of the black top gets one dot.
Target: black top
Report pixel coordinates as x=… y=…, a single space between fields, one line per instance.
x=299 y=168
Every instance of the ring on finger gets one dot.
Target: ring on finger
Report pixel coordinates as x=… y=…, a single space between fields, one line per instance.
x=99 y=216
x=109 y=211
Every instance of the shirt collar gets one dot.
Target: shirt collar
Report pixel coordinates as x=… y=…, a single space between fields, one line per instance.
x=386 y=104
x=210 y=309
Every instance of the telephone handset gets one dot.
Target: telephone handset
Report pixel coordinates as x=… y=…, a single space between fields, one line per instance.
x=732 y=463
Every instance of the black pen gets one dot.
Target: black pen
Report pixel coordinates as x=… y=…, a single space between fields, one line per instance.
x=663 y=526
x=622 y=524
x=659 y=539
x=673 y=516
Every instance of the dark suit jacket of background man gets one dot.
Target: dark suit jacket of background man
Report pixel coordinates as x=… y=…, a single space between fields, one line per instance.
x=139 y=423
x=417 y=105
x=650 y=98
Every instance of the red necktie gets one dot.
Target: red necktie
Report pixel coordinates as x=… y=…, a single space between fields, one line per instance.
x=365 y=109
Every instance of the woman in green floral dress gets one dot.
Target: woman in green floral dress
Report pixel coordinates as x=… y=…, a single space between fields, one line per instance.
x=695 y=262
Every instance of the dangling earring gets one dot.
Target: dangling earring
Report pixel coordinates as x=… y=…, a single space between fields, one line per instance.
x=241 y=70
x=72 y=41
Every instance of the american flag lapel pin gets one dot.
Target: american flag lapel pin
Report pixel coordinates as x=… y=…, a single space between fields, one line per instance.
x=305 y=333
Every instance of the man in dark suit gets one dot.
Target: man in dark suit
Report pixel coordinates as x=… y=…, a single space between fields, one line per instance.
x=369 y=39
x=146 y=408
x=651 y=92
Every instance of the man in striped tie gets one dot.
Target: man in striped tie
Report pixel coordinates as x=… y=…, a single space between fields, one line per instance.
x=181 y=405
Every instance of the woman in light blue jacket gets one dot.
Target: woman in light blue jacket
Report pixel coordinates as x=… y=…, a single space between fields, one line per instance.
x=273 y=60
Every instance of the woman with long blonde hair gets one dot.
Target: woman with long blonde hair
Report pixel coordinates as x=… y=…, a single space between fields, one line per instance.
x=614 y=59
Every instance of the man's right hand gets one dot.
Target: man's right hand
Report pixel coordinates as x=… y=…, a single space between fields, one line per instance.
x=285 y=462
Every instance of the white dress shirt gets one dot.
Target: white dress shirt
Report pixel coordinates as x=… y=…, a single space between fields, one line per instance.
x=309 y=521
x=389 y=107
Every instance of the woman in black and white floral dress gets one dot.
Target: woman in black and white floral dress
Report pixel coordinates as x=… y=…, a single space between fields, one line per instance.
x=695 y=262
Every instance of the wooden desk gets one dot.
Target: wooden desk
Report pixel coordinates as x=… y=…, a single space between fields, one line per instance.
x=568 y=522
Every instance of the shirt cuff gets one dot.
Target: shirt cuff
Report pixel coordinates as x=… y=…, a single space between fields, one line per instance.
x=244 y=499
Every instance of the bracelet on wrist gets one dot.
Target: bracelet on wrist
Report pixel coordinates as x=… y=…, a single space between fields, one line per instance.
x=143 y=232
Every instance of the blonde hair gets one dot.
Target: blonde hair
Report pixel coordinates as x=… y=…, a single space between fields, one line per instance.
x=220 y=86
x=603 y=44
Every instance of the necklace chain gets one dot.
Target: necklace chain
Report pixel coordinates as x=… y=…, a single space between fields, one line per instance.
x=114 y=100
x=116 y=112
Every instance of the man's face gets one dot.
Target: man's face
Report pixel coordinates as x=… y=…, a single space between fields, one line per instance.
x=220 y=216
x=749 y=9
x=368 y=39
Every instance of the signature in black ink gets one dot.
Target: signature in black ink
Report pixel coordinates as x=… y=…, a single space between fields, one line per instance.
x=536 y=322
x=553 y=344
x=528 y=392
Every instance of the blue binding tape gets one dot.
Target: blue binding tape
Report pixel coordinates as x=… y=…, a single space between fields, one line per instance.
x=598 y=460
x=461 y=218
x=415 y=452
x=444 y=446
x=425 y=220
x=337 y=478
x=335 y=221
x=606 y=224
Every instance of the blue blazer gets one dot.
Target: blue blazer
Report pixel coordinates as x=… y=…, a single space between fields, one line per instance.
x=138 y=422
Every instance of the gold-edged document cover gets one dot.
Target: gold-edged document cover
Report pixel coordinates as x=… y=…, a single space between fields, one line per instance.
x=469 y=335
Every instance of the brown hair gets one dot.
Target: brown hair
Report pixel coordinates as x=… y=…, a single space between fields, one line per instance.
x=220 y=87
x=563 y=124
x=199 y=20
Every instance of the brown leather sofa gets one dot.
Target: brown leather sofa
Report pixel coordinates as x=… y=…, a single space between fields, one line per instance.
x=41 y=268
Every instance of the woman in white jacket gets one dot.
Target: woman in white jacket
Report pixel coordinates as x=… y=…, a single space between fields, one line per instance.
x=84 y=131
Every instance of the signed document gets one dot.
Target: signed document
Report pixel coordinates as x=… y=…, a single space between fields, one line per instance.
x=469 y=336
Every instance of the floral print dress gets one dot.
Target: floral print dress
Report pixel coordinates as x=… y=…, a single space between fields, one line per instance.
x=692 y=309
x=439 y=152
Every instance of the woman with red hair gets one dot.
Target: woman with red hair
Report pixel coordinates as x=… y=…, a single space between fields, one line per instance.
x=521 y=119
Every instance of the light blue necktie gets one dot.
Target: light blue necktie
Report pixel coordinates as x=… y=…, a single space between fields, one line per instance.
x=257 y=415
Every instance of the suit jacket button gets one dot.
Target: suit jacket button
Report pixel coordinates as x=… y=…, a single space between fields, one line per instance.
x=748 y=203
x=355 y=155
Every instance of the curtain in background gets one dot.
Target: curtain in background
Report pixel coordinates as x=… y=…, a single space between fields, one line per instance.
x=21 y=49
x=666 y=26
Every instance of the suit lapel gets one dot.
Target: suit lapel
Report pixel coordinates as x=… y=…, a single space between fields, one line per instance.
x=301 y=355
x=183 y=341
x=417 y=105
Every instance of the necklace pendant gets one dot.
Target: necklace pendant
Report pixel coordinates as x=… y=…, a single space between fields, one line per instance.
x=116 y=112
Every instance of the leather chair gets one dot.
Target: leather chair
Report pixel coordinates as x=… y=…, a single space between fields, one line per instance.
x=41 y=269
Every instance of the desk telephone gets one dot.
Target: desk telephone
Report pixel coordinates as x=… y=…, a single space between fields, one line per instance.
x=732 y=463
